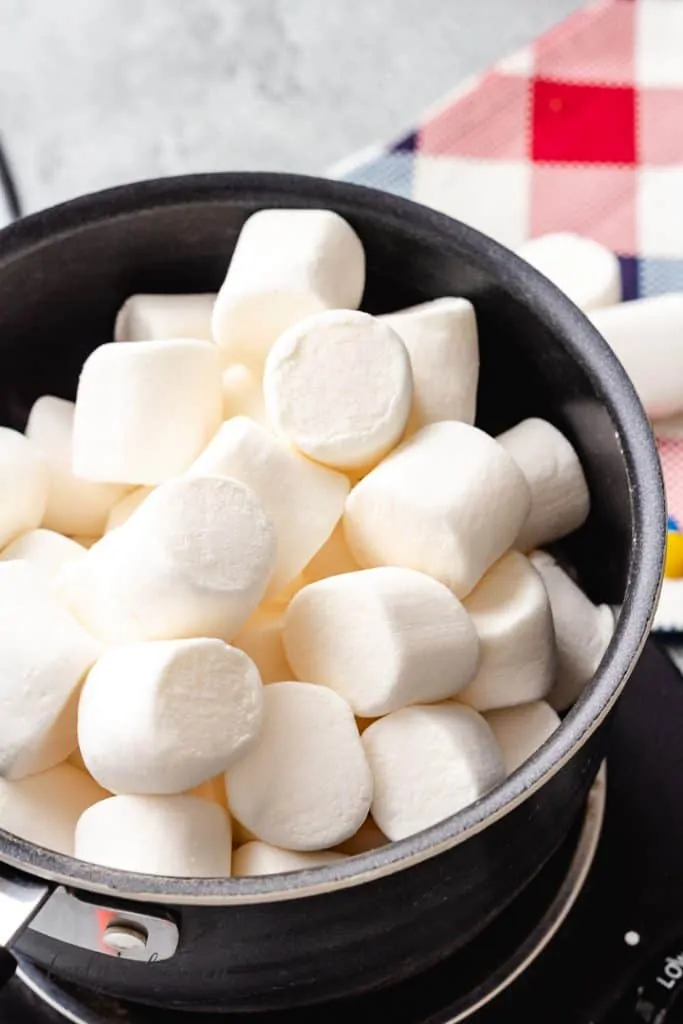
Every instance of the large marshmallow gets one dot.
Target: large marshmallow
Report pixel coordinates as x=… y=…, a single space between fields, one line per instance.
x=306 y=784
x=123 y=509
x=242 y=393
x=339 y=387
x=287 y=264
x=511 y=614
x=304 y=500
x=145 y=411
x=258 y=858
x=24 y=484
x=429 y=762
x=584 y=270
x=443 y=345
x=381 y=638
x=449 y=502
x=49 y=552
x=44 y=654
x=193 y=561
x=645 y=335
x=74 y=506
x=582 y=631
x=44 y=808
x=179 y=836
x=560 y=501
x=160 y=317
x=333 y=558
x=522 y=730
x=163 y=717
x=262 y=640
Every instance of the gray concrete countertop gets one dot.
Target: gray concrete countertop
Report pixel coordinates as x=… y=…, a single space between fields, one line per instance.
x=98 y=92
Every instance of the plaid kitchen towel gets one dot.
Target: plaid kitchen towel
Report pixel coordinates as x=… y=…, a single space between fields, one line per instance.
x=580 y=131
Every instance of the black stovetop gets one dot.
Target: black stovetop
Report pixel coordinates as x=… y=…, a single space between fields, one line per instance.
x=590 y=973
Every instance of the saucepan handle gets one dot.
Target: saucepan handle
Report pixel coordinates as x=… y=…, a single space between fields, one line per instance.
x=21 y=897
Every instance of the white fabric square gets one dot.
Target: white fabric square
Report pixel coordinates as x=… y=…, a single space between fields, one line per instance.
x=659 y=43
x=492 y=196
x=659 y=211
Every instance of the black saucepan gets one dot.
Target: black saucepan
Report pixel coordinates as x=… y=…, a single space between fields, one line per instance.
x=363 y=923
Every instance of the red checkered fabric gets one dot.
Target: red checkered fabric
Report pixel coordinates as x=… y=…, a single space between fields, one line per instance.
x=580 y=131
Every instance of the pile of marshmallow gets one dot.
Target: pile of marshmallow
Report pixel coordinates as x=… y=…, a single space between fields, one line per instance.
x=268 y=598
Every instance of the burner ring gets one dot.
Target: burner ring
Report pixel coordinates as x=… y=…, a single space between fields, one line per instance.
x=75 y=1011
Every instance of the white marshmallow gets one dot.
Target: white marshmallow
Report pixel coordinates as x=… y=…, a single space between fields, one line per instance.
x=511 y=614
x=338 y=386
x=428 y=762
x=645 y=335
x=258 y=858
x=522 y=730
x=194 y=561
x=304 y=500
x=368 y=837
x=332 y=559
x=382 y=638
x=242 y=394
x=44 y=654
x=179 y=836
x=582 y=631
x=24 y=483
x=560 y=501
x=123 y=509
x=145 y=411
x=45 y=808
x=74 y=505
x=261 y=639
x=584 y=270
x=287 y=264
x=449 y=502
x=306 y=784
x=157 y=718
x=160 y=317
x=49 y=552
x=443 y=345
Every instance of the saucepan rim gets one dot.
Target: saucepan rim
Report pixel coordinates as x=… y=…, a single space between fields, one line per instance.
x=575 y=333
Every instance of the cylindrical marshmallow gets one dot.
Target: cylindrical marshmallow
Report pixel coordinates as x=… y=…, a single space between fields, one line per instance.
x=381 y=638
x=74 y=505
x=123 y=509
x=522 y=730
x=145 y=411
x=511 y=614
x=178 y=836
x=306 y=784
x=160 y=317
x=428 y=762
x=258 y=858
x=44 y=808
x=449 y=502
x=193 y=561
x=560 y=501
x=24 y=484
x=47 y=551
x=287 y=264
x=44 y=654
x=242 y=393
x=333 y=558
x=584 y=270
x=163 y=717
x=443 y=345
x=262 y=640
x=304 y=500
x=582 y=631
x=368 y=837
x=655 y=365
x=339 y=387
